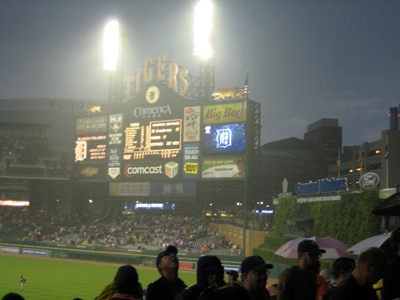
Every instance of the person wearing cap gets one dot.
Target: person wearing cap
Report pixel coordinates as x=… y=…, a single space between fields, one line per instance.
x=168 y=286
x=300 y=282
x=254 y=277
x=371 y=267
x=126 y=284
x=241 y=166
x=233 y=278
x=210 y=273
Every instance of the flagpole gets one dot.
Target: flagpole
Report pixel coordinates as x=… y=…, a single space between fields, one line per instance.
x=387 y=163
x=246 y=175
x=338 y=163
x=387 y=173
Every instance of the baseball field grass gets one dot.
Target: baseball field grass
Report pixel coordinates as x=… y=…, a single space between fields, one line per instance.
x=65 y=279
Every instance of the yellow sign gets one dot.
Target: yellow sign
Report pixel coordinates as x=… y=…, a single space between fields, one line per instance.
x=224 y=113
x=191 y=168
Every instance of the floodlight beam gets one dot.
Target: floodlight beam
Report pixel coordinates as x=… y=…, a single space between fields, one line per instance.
x=202 y=29
x=111 y=45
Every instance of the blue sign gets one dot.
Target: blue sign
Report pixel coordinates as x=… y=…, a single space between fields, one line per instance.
x=224 y=138
x=322 y=186
x=35 y=252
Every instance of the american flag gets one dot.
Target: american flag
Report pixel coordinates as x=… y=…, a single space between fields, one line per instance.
x=245 y=91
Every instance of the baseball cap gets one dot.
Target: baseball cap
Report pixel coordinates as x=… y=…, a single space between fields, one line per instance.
x=254 y=263
x=240 y=160
x=309 y=246
x=233 y=273
x=209 y=264
x=170 y=249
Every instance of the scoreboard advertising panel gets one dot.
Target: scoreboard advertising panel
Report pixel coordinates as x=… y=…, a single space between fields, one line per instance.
x=161 y=136
x=90 y=147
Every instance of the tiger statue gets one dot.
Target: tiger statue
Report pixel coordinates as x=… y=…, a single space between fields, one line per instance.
x=224 y=94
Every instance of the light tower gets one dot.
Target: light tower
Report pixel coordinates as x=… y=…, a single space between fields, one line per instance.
x=203 y=47
x=113 y=62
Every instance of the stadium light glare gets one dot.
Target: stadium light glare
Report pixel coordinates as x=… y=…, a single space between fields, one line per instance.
x=202 y=29
x=111 y=45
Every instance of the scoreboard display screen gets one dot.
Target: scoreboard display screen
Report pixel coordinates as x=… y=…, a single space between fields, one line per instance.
x=90 y=148
x=224 y=138
x=90 y=139
x=160 y=139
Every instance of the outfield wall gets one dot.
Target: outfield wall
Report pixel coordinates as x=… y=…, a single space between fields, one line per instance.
x=117 y=255
x=188 y=261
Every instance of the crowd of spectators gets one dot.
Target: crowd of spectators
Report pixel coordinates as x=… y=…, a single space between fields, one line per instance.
x=139 y=231
x=25 y=149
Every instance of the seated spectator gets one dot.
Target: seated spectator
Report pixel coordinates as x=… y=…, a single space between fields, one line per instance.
x=342 y=267
x=210 y=273
x=255 y=276
x=371 y=267
x=13 y=296
x=126 y=284
x=233 y=278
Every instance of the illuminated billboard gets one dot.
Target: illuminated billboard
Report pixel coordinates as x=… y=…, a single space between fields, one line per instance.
x=191 y=159
x=224 y=138
x=93 y=171
x=14 y=203
x=88 y=148
x=129 y=189
x=223 y=113
x=115 y=129
x=224 y=167
x=150 y=206
x=163 y=138
x=191 y=124
x=91 y=139
x=91 y=126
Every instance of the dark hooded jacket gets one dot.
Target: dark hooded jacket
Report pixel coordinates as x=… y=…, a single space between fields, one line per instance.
x=206 y=266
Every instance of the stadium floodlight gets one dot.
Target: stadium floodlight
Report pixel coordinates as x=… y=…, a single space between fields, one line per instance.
x=111 y=45
x=203 y=17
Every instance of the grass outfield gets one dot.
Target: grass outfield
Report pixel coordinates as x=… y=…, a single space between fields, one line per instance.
x=63 y=279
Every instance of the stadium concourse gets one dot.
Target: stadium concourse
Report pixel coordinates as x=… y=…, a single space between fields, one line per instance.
x=139 y=231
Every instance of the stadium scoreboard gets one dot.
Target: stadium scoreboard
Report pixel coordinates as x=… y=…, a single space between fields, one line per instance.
x=163 y=136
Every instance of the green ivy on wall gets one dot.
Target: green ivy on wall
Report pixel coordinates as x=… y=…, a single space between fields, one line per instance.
x=349 y=220
x=286 y=209
x=273 y=241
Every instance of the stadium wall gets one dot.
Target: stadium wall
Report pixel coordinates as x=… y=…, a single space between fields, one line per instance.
x=113 y=255
x=235 y=234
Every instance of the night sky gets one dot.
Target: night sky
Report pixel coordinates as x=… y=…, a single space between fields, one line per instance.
x=307 y=60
